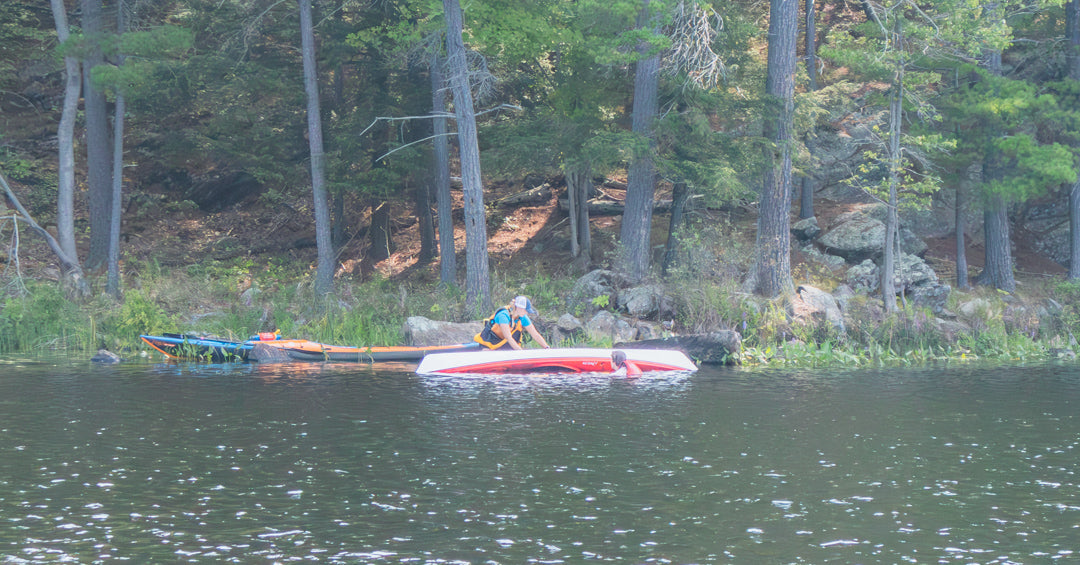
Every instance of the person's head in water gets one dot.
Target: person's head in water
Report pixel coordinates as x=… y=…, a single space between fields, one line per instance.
x=618 y=359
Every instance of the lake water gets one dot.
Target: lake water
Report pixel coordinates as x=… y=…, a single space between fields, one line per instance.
x=168 y=463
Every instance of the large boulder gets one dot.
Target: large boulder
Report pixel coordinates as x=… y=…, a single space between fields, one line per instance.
x=805 y=229
x=566 y=328
x=263 y=353
x=810 y=304
x=932 y=296
x=909 y=271
x=105 y=357
x=860 y=234
x=593 y=285
x=420 y=331
x=644 y=301
x=722 y=347
x=605 y=325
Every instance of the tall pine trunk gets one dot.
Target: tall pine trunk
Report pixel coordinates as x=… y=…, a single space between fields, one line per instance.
x=98 y=144
x=477 y=277
x=112 y=280
x=324 y=271
x=772 y=268
x=641 y=178
x=1072 y=16
x=997 y=268
x=441 y=166
x=65 y=137
x=806 y=192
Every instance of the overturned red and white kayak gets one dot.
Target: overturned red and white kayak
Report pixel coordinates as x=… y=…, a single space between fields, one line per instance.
x=571 y=360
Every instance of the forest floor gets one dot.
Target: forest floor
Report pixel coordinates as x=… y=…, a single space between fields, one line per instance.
x=533 y=238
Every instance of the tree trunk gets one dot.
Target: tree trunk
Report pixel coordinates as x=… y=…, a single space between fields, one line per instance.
x=772 y=269
x=98 y=144
x=806 y=192
x=641 y=178
x=441 y=166
x=896 y=115
x=961 y=245
x=1072 y=16
x=381 y=243
x=477 y=277
x=65 y=137
x=112 y=281
x=679 y=195
x=997 y=268
x=422 y=180
x=1072 y=27
x=324 y=272
x=577 y=188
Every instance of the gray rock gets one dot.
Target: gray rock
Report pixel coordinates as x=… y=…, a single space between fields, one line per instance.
x=105 y=357
x=860 y=234
x=644 y=301
x=263 y=353
x=831 y=261
x=594 y=285
x=722 y=347
x=810 y=303
x=951 y=330
x=601 y=325
x=911 y=271
x=856 y=239
x=420 y=331
x=931 y=295
x=566 y=329
x=843 y=295
x=863 y=277
x=649 y=330
x=805 y=229
x=975 y=307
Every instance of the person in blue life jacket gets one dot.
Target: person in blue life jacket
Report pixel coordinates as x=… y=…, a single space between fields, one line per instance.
x=623 y=367
x=505 y=328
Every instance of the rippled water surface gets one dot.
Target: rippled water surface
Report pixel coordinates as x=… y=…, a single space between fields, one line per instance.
x=164 y=463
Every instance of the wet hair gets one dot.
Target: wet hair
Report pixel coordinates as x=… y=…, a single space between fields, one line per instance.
x=618 y=359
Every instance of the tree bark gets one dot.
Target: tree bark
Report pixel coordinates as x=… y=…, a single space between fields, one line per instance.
x=441 y=166
x=997 y=269
x=324 y=272
x=477 y=277
x=65 y=137
x=772 y=269
x=1072 y=27
x=679 y=195
x=641 y=178
x=896 y=116
x=379 y=235
x=806 y=184
x=961 y=245
x=98 y=144
x=577 y=187
x=1072 y=16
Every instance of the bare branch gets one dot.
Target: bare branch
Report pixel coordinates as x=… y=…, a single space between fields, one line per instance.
x=693 y=31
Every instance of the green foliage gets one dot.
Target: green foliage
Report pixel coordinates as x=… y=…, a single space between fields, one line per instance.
x=43 y=318
x=998 y=120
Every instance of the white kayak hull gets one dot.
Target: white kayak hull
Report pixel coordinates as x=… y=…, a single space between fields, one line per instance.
x=568 y=360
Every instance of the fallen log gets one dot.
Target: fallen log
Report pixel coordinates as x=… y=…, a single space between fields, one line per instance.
x=602 y=207
x=537 y=195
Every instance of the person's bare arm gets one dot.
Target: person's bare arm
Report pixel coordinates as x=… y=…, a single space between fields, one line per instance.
x=536 y=336
x=510 y=336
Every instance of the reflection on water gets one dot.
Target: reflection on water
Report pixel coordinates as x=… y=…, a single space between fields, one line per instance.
x=349 y=464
